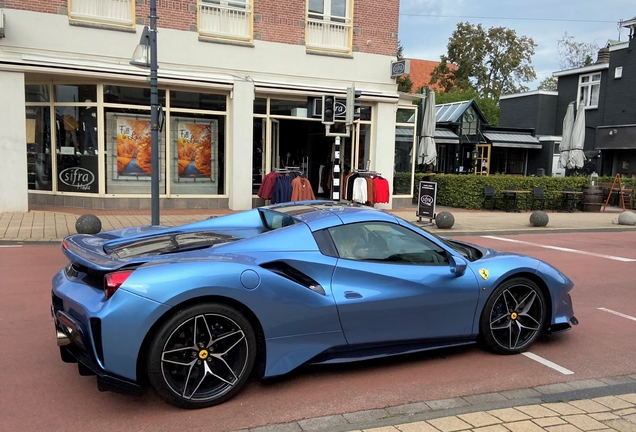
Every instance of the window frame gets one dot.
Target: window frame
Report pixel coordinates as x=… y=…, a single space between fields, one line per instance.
x=227 y=5
x=323 y=21
x=586 y=89
x=101 y=19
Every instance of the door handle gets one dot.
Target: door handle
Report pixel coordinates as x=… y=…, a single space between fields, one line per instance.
x=352 y=295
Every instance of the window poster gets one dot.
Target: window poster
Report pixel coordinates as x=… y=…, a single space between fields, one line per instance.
x=194 y=150
x=133 y=147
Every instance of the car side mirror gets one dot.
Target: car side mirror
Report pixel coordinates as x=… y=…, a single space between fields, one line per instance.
x=457 y=265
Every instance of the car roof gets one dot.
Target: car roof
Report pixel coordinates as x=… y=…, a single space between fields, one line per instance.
x=323 y=214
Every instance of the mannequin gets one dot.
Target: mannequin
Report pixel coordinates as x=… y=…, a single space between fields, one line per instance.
x=89 y=125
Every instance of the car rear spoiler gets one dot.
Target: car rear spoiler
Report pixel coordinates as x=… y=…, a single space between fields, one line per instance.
x=87 y=251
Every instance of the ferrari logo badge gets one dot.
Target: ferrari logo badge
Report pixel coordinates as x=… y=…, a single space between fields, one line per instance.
x=483 y=273
x=203 y=354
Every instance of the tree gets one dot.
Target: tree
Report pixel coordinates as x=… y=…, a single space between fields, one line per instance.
x=574 y=54
x=488 y=106
x=549 y=84
x=404 y=83
x=492 y=62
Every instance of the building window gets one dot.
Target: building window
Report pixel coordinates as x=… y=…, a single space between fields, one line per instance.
x=112 y=12
x=226 y=19
x=589 y=89
x=329 y=25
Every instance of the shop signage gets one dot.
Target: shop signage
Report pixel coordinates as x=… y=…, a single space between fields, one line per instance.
x=78 y=178
x=399 y=68
x=426 y=199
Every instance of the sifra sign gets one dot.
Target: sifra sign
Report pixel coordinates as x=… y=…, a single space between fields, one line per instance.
x=426 y=200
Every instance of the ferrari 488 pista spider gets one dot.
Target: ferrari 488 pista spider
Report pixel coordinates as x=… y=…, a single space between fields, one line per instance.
x=195 y=310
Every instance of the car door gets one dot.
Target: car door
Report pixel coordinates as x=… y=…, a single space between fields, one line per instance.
x=391 y=283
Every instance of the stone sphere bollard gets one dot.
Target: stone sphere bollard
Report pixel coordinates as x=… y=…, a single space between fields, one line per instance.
x=627 y=218
x=88 y=224
x=539 y=218
x=444 y=220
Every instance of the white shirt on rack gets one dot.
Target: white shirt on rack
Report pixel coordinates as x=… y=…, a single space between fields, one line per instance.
x=360 y=190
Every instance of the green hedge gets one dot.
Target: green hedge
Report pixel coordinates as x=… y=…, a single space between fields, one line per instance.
x=466 y=191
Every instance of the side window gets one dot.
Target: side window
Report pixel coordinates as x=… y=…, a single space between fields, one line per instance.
x=386 y=242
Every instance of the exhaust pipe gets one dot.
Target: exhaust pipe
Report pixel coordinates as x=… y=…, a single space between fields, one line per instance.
x=62 y=339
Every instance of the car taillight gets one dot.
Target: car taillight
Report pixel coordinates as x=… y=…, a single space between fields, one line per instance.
x=112 y=281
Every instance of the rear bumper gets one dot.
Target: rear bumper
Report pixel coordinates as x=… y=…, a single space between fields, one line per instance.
x=73 y=339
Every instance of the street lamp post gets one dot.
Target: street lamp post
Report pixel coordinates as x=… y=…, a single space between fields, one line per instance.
x=147 y=43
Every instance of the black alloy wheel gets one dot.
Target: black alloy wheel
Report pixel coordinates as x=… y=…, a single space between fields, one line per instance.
x=202 y=356
x=513 y=317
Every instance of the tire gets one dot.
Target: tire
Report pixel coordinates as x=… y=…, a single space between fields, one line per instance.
x=201 y=356
x=513 y=317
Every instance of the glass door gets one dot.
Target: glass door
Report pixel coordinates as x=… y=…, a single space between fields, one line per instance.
x=275 y=145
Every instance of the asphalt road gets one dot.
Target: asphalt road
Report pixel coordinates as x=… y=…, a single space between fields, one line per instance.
x=40 y=392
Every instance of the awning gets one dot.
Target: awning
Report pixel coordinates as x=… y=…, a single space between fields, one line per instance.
x=445 y=136
x=514 y=140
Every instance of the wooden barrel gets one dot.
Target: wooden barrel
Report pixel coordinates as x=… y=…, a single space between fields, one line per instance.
x=592 y=198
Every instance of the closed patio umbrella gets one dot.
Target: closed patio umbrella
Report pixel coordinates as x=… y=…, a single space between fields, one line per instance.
x=577 y=140
x=427 y=152
x=566 y=136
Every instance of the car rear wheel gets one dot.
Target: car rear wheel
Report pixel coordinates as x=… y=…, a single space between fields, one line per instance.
x=202 y=356
x=513 y=317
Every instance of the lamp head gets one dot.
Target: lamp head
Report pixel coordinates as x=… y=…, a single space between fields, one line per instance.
x=141 y=56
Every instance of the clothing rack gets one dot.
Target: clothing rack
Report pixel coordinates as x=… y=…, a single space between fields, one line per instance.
x=368 y=172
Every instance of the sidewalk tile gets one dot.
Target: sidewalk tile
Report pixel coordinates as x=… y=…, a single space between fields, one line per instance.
x=523 y=426
x=625 y=412
x=589 y=406
x=420 y=426
x=621 y=425
x=549 y=421
x=604 y=416
x=631 y=418
x=365 y=416
x=318 y=423
x=508 y=414
x=449 y=424
x=586 y=384
x=613 y=402
x=442 y=404
x=382 y=429
x=563 y=428
x=584 y=422
x=520 y=394
x=412 y=408
x=484 y=398
x=563 y=408
x=479 y=419
x=624 y=379
x=536 y=411
x=494 y=428
x=554 y=388
x=282 y=427
x=630 y=397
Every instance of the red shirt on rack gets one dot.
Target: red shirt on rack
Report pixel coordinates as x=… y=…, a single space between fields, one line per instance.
x=381 y=190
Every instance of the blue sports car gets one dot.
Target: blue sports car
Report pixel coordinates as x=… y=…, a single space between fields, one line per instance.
x=194 y=310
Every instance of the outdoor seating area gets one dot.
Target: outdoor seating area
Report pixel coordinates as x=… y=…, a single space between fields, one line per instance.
x=512 y=200
x=614 y=195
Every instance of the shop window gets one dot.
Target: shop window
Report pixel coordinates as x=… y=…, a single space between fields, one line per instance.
x=329 y=25
x=112 y=12
x=76 y=149
x=260 y=106
x=38 y=147
x=589 y=89
x=405 y=115
x=76 y=93
x=258 y=153
x=288 y=107
x=364 y=145
x=403 y=161
x=128 y=146
x=37 y=93
x=131 y=95
x=199 y=101
x=197 y=146
x=226 y=19
x=365 y=113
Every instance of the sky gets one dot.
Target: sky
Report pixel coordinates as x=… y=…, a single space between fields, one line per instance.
x=427 y=25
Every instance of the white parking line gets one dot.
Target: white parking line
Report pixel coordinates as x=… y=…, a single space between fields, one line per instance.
x=10 y=246
x=548 y=363
x=618 y=313
x=562 y=249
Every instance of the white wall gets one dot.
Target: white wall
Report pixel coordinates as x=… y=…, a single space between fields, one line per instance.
x=240 y=131
x=384 y=154
x=13 y=158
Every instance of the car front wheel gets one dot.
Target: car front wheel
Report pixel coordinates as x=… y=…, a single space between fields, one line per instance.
x=202 y=356
x=513 y=317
